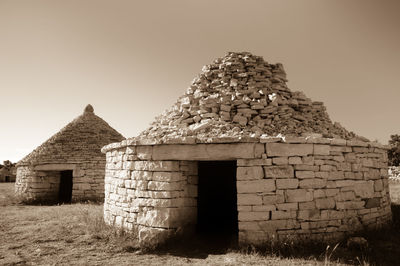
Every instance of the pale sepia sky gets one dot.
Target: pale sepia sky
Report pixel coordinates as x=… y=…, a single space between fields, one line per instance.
x=132 y=59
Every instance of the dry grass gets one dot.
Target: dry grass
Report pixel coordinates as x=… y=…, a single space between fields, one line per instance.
x=76 y=234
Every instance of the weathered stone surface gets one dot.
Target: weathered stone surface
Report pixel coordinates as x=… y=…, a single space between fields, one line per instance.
x=312 y=183
x=254 y=162
x=249 y=173
x=284 y=171
x=208 y=151
x=264 y=185
x=364 y=189
x=305 y=174
x=372 y=203
x=151 y=237
x=321 y=149
x=156 y=165
x=283 y=149
x=287 y=183
x=280 y=160
x=309 y=215
x=253 y=216
x=298 y=195
x=295 y=160
x=249 y=199
x=325 y=203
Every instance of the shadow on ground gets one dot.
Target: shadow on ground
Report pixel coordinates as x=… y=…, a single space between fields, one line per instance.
x=383 y=248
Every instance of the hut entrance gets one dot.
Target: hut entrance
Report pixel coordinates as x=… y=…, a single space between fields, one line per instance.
x=65 y=190
x=217 y=201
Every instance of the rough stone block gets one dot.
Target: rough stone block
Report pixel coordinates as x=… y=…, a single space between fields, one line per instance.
x=151 y=237
x=345 y=196
x=286 y=183
x=305 y=174
x=295 y=160
x=141 y=175
x=372 y=203
x=321 y=149
x=253 y=216
x=350 y=205
x=249 y=199
x=282 y=215
x=263 y=208
x=264 y=185
x=208 y=151
x=298 y=195
x=274 y=225
x=284 y=149
x=167 y=186
x=249 y=173
x=312 y=183
x=144 y=152
x=325 y=203
x=309 y=215
x=272 y=199
x=156 y=165
x=254 y=162
x=307 y=205
x=280 y=160
x=335 y=175
x=364 y=189
x=345 y=183
x=162 y=217
x=167 y=176
x=378 y=185
x=287 y=206
x=284 y=171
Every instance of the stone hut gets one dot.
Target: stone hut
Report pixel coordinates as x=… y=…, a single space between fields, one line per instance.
x=7 y=172
x=69 y=166
x=241 y=155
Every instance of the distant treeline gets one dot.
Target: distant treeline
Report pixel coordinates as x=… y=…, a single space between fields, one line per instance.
x=7 y=164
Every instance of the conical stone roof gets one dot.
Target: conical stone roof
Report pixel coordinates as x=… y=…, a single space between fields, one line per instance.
x=80 y=139
x=241 y=95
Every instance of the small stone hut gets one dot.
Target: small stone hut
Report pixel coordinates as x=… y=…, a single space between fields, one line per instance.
x=69 y=166
x=240 y=154
x=7 y=172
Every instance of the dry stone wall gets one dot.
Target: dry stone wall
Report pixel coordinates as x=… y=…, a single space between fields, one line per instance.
x=312 y=188
x=157 y=199
x=40 y=183
x=36 y=185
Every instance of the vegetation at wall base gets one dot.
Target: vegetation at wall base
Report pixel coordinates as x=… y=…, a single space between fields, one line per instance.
x=394 y=151
x=76 y=234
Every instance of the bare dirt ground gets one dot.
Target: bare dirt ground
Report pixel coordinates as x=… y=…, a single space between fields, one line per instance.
x=76 y=235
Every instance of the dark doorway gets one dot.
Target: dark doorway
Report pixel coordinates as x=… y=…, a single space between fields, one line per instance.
x=65 y=191
x=217 y=202
x=8 y=179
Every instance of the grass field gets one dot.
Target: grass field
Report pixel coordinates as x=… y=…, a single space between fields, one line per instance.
x=76 y=234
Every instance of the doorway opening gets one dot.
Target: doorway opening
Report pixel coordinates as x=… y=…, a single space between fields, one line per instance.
x=8 y=179
x=217 y=216
x=65 y=190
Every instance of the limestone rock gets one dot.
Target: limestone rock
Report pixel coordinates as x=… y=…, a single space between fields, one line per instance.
x=241 y=95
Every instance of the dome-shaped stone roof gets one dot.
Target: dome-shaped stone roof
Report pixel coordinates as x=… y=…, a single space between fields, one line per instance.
x=84 y=136
x=241 y=95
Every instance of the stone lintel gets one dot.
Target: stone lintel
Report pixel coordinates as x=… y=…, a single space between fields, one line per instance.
x=231 y=151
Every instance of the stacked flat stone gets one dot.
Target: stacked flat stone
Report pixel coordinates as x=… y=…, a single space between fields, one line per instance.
x=241 y=95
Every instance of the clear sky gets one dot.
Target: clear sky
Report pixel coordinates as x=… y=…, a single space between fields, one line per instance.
x=132 y=59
